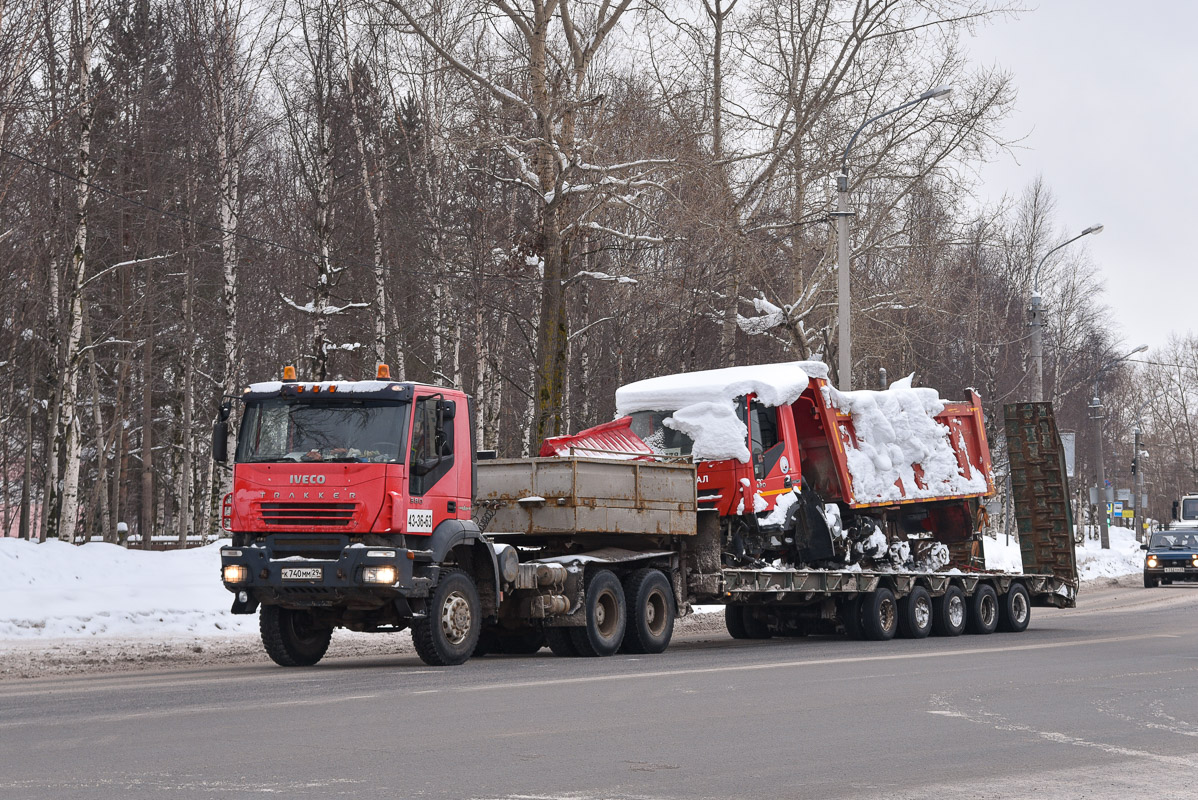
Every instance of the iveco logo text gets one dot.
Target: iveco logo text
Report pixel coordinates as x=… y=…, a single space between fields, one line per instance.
x=307 y=479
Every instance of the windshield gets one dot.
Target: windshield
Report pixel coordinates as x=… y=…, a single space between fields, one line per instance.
x=1175 y=539
x=342 y=430
x=1189 y=508
x=666 y=441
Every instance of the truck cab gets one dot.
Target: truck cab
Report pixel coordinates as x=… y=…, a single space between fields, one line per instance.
x=351 y=507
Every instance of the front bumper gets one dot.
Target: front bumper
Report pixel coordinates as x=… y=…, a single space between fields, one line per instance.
x=333 y=579
x=1173 y=570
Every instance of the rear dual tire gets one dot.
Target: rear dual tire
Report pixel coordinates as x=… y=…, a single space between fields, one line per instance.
x=649 y=600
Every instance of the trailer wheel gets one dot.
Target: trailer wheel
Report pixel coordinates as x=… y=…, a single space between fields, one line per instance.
x=949 y=612
x=448 y=635
x=1150 y=583
x=983 y=610
x=1014 y=609
x=850 y=616
x=879 y=615
x=560 y=642
x=291 y=637
x=756 y=625
x=734 y=621
x=915 y=614
x=649 y=599
x=606 y=615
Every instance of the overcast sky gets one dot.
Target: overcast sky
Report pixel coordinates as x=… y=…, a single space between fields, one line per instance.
x=1108 y=101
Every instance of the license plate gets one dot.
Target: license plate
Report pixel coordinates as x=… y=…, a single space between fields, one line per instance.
x=1175 y=569
x=302 y=573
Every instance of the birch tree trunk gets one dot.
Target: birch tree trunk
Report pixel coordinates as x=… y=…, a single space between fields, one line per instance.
x=68 y=515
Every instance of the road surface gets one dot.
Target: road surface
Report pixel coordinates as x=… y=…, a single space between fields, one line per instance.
x=1101 y=701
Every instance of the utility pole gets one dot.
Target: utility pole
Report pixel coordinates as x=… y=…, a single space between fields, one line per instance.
x=1096 y=406
x=1141 y=514
x=1037 y=317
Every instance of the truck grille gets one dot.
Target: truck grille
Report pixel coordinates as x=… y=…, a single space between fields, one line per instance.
x=324 y=515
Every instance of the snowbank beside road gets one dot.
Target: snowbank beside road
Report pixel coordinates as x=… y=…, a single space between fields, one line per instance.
x=1124 y=558
x=58 y=590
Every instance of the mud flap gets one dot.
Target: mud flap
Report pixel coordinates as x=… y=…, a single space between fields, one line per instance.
x=805 y=521
x=248 y=607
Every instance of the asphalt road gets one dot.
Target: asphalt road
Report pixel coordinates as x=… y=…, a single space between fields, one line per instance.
x=1101 y=701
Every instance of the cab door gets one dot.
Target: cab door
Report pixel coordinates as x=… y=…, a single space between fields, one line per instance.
x=774 y=466
x=432 y=477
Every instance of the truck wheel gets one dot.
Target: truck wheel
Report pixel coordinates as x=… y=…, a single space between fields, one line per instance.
x=291 y=637
x=949 y=612
x=734 y=621
x=560 y=642
x=879 y=615
x=915 y=614
x=448 y=635
x=1014 y=609
x=606 y=616
x=1150 y=583
x=850 y=616
x=649 y=599
x=983 y=610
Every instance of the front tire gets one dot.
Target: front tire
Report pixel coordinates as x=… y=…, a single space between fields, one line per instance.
x=649 y=599
x=448 y=635
x=291 y=637
x=1014 y=610
x=606 y=617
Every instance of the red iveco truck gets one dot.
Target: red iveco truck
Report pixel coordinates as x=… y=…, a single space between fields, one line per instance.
x=364 y=505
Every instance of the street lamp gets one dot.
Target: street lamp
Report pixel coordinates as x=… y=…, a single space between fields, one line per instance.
x=1038 y=319
x=842 y=215
x=1096 y=405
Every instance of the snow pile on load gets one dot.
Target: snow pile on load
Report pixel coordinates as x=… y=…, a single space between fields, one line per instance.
x=895 y=431
x=703 y=402
x=58 y=590
x=333 y=387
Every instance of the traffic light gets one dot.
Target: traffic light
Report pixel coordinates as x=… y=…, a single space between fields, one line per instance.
x=1133 y=466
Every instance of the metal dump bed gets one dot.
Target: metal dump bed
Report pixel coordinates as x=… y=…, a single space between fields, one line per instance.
x=587 y=495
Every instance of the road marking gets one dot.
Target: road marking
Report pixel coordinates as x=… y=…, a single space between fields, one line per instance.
x=1000 y=723
x=815 y=662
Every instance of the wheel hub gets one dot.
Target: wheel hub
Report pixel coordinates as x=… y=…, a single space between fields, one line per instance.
x=956 y=611
x=456 y=618
x=923 y=613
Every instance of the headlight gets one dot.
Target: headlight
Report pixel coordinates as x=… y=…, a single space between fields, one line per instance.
x=236 y=573
x=380 y=574
x=1152 y=562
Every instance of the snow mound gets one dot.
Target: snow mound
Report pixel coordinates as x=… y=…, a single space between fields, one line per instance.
x=703 y=402
x=896 y=430
x=57 y=590
x=1124 y=558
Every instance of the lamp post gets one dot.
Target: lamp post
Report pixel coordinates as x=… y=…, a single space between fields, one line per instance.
x=1096 y=406
x=1137 y=469
x=842 y=214
x=1037 y=315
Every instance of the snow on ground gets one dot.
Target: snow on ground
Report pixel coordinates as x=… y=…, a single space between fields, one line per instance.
x=58 y=590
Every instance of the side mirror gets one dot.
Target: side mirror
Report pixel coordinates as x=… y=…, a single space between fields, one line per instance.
x=486 y=455
x=1144 y=546
x=220 y=441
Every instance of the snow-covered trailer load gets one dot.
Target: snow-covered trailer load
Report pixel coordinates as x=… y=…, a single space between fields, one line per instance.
x=800 y=472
